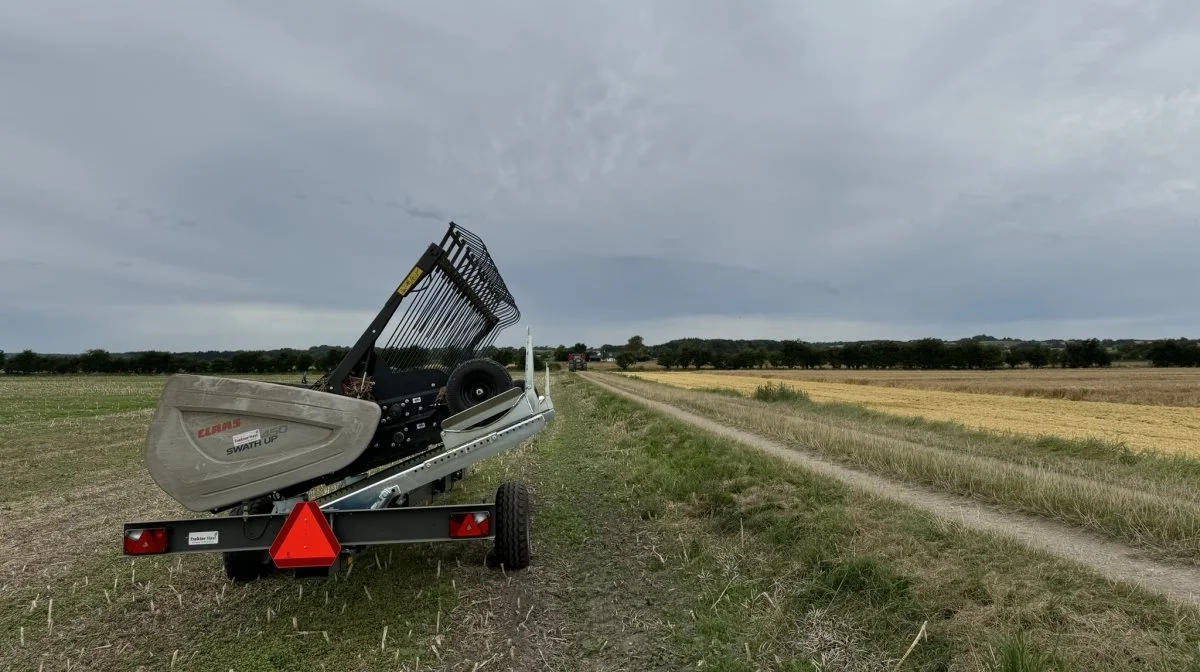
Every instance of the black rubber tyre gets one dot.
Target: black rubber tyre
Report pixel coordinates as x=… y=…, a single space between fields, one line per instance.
x=248 y=565
x=475 y=381
x=512 y=548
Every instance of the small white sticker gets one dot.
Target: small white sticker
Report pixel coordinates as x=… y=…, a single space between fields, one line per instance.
x=202 y=538
x=420 y=425
x=416 y=400
x=246 y=437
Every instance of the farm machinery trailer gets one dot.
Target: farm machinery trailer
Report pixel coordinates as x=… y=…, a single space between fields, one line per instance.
x=394 y=425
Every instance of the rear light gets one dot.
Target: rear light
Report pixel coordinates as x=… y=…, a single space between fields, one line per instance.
x=146 y=541
x=470 y=525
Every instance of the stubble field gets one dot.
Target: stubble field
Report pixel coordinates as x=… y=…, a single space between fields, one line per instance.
x=1118 y=384
x=982 y=400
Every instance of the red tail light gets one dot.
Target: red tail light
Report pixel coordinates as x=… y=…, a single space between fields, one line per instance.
x=146 y=542
x=470 y=525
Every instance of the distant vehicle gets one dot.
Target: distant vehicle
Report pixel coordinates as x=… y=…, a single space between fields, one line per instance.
x=577 y=362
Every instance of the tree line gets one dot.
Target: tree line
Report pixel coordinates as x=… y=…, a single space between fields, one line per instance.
x=979 y=352
x=926 y=353
x=284 y=360
x=1175 y=352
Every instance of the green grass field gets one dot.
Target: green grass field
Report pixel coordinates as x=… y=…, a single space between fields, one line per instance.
x=656 y=547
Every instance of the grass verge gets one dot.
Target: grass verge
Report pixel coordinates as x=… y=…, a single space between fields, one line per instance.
x=765 y=566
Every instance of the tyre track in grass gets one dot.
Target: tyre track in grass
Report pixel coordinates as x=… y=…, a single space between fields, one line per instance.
x=1113 y=561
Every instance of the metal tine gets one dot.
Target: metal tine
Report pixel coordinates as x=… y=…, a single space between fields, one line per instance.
x=456 y=309
x=437 y=323
x=425 y=314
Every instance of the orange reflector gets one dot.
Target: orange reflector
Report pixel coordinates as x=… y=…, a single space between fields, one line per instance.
x=306 y=539
x=470 y=525
x=146 y=542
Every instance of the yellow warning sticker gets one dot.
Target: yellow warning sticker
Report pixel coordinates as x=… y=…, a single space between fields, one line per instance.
x=411 y=280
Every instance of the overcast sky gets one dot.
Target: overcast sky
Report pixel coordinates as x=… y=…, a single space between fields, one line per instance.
x=218 y=174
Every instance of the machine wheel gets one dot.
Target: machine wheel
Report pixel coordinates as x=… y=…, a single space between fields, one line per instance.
x=475 y=381
x=512 y=547
x=248 y=565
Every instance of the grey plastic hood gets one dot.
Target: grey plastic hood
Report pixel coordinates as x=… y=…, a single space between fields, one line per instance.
x=217 y=441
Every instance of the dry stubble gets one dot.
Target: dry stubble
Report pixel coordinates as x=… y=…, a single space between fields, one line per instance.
x=1119 y=384
x=1155 y=429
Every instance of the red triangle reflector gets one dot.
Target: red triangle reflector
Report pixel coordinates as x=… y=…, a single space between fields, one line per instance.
x=306 y=540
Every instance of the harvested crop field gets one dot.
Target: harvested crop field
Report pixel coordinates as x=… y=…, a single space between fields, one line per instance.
x=1122 y=384
x=1160 y=429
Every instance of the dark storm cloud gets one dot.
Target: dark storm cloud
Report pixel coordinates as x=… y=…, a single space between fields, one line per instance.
x=181 y=175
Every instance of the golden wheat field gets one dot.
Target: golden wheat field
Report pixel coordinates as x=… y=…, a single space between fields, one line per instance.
x=1162 y=429
x=1124 y=384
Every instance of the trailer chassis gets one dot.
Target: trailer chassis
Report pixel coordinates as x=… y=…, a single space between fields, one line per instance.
x=389 y=506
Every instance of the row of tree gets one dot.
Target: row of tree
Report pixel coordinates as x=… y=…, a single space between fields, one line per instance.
x=562 y=352
x=323 y=358
x=926 y=353
x=979 y=352
x=1180 y=352
x=155 y=361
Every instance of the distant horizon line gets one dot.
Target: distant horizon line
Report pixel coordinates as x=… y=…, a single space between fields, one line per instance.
x=1011 y=339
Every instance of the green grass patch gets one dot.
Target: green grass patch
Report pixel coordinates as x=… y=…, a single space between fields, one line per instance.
x=1017 y=653
x=779 y=392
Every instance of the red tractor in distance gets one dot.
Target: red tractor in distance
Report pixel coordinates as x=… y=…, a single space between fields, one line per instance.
x=577 y=361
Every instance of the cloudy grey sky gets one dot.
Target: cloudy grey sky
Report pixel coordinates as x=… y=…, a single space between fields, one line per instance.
x=184 y=175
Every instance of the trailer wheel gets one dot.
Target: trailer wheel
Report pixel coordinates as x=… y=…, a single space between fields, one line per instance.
x=248 y=565
x=512 y=546
x=475 y=381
